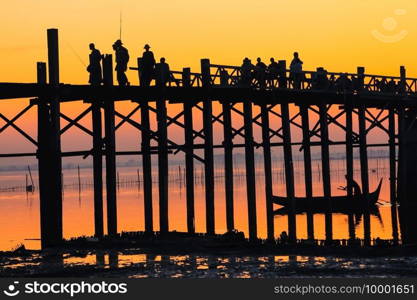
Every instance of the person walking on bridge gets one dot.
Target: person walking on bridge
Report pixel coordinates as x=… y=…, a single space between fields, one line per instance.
x=296 y=69
x=94 y=67
x=122 y=59
x=147 y=66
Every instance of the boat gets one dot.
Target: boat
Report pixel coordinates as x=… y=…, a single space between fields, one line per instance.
x=342 y=204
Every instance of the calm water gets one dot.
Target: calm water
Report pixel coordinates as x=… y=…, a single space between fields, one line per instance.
x=20 y=210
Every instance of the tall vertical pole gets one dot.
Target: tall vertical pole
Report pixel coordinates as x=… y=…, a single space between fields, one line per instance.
x=392 y=172
x=208 y=149
x=307 y=169
x=97 y=168
x=268 y=172
x=250 y=169
x=189 y=160
x=49 y=151
x=289 y=171
x=228 y=164
x=325 y=160
x=110 y=141
x=349 y=165
x=161 y=116
x=364 y=173
x=146 y=166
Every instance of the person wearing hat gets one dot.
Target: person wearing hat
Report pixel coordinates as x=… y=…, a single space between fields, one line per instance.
x=147 y=66
x=122 y=59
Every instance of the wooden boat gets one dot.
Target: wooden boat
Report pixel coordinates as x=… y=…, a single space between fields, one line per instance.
x=342 y=204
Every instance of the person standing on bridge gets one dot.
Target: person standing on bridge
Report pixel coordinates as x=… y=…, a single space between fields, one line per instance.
x=162 y=72
x=147 y=66
x=296 y=69
x=94 y=68
x=122 y=59
x=246 y=72
x=273 y=71
x=260 y=72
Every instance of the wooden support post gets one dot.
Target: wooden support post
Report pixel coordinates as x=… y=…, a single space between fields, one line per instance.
x=325 y=160
x=289 y=172
x=250 y=169
x=268 y=172
x=392 y=172
x=364 y=173
x=97 y=168
x=110 y=141
x=228 y=164
x=189 y=159
x=208 y=149
x=49 y=151
x=307 y=169
x=349 y=165
x=162 y=164
x=146 y=166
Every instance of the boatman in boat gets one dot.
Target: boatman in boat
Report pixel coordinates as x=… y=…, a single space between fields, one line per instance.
x=356 y=189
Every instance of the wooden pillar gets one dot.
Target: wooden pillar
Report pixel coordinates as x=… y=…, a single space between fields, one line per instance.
x=364 y=173
x=349 y=165
x=268 y=172
x=250 y=169
x=228 y=164
x=208 y=149
x=392 y=172
x=189 y=160
x=289 y=172
x=307 y=169
x=146 y=166
x=325 y=160
x=110 y=153
x=162 y=163
x=97 y=168
x=49 y=150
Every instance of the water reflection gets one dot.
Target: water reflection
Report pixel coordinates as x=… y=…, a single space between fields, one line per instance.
x=21 y=223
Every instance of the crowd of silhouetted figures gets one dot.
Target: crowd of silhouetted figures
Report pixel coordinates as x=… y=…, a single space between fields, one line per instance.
x=257 y=75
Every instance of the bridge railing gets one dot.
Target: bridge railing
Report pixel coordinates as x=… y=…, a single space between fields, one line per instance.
x=231 y=76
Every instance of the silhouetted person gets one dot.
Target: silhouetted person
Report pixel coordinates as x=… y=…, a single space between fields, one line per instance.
x=122 y=59
x=162 y=73
x=296 y=69
x=246 y=72
x=273 y=69
x=147 y=66
x=343 y=83
x=260 y=72
x=356 y=189
x=392 y=86
x=94 y=68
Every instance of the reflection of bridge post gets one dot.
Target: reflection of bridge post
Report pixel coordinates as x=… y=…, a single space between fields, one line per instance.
x=268 y=171
x=189 y=159
x=49 y=151
x=307 y=169
x=325 y=160
x=289 y=171
x=110 y=149
x=208 y=148
x=250 y=169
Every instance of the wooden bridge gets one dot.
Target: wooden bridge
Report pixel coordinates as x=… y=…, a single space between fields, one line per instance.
x=384 y=102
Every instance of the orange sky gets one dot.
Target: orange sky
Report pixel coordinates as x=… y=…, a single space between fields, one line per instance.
x=338 y=35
